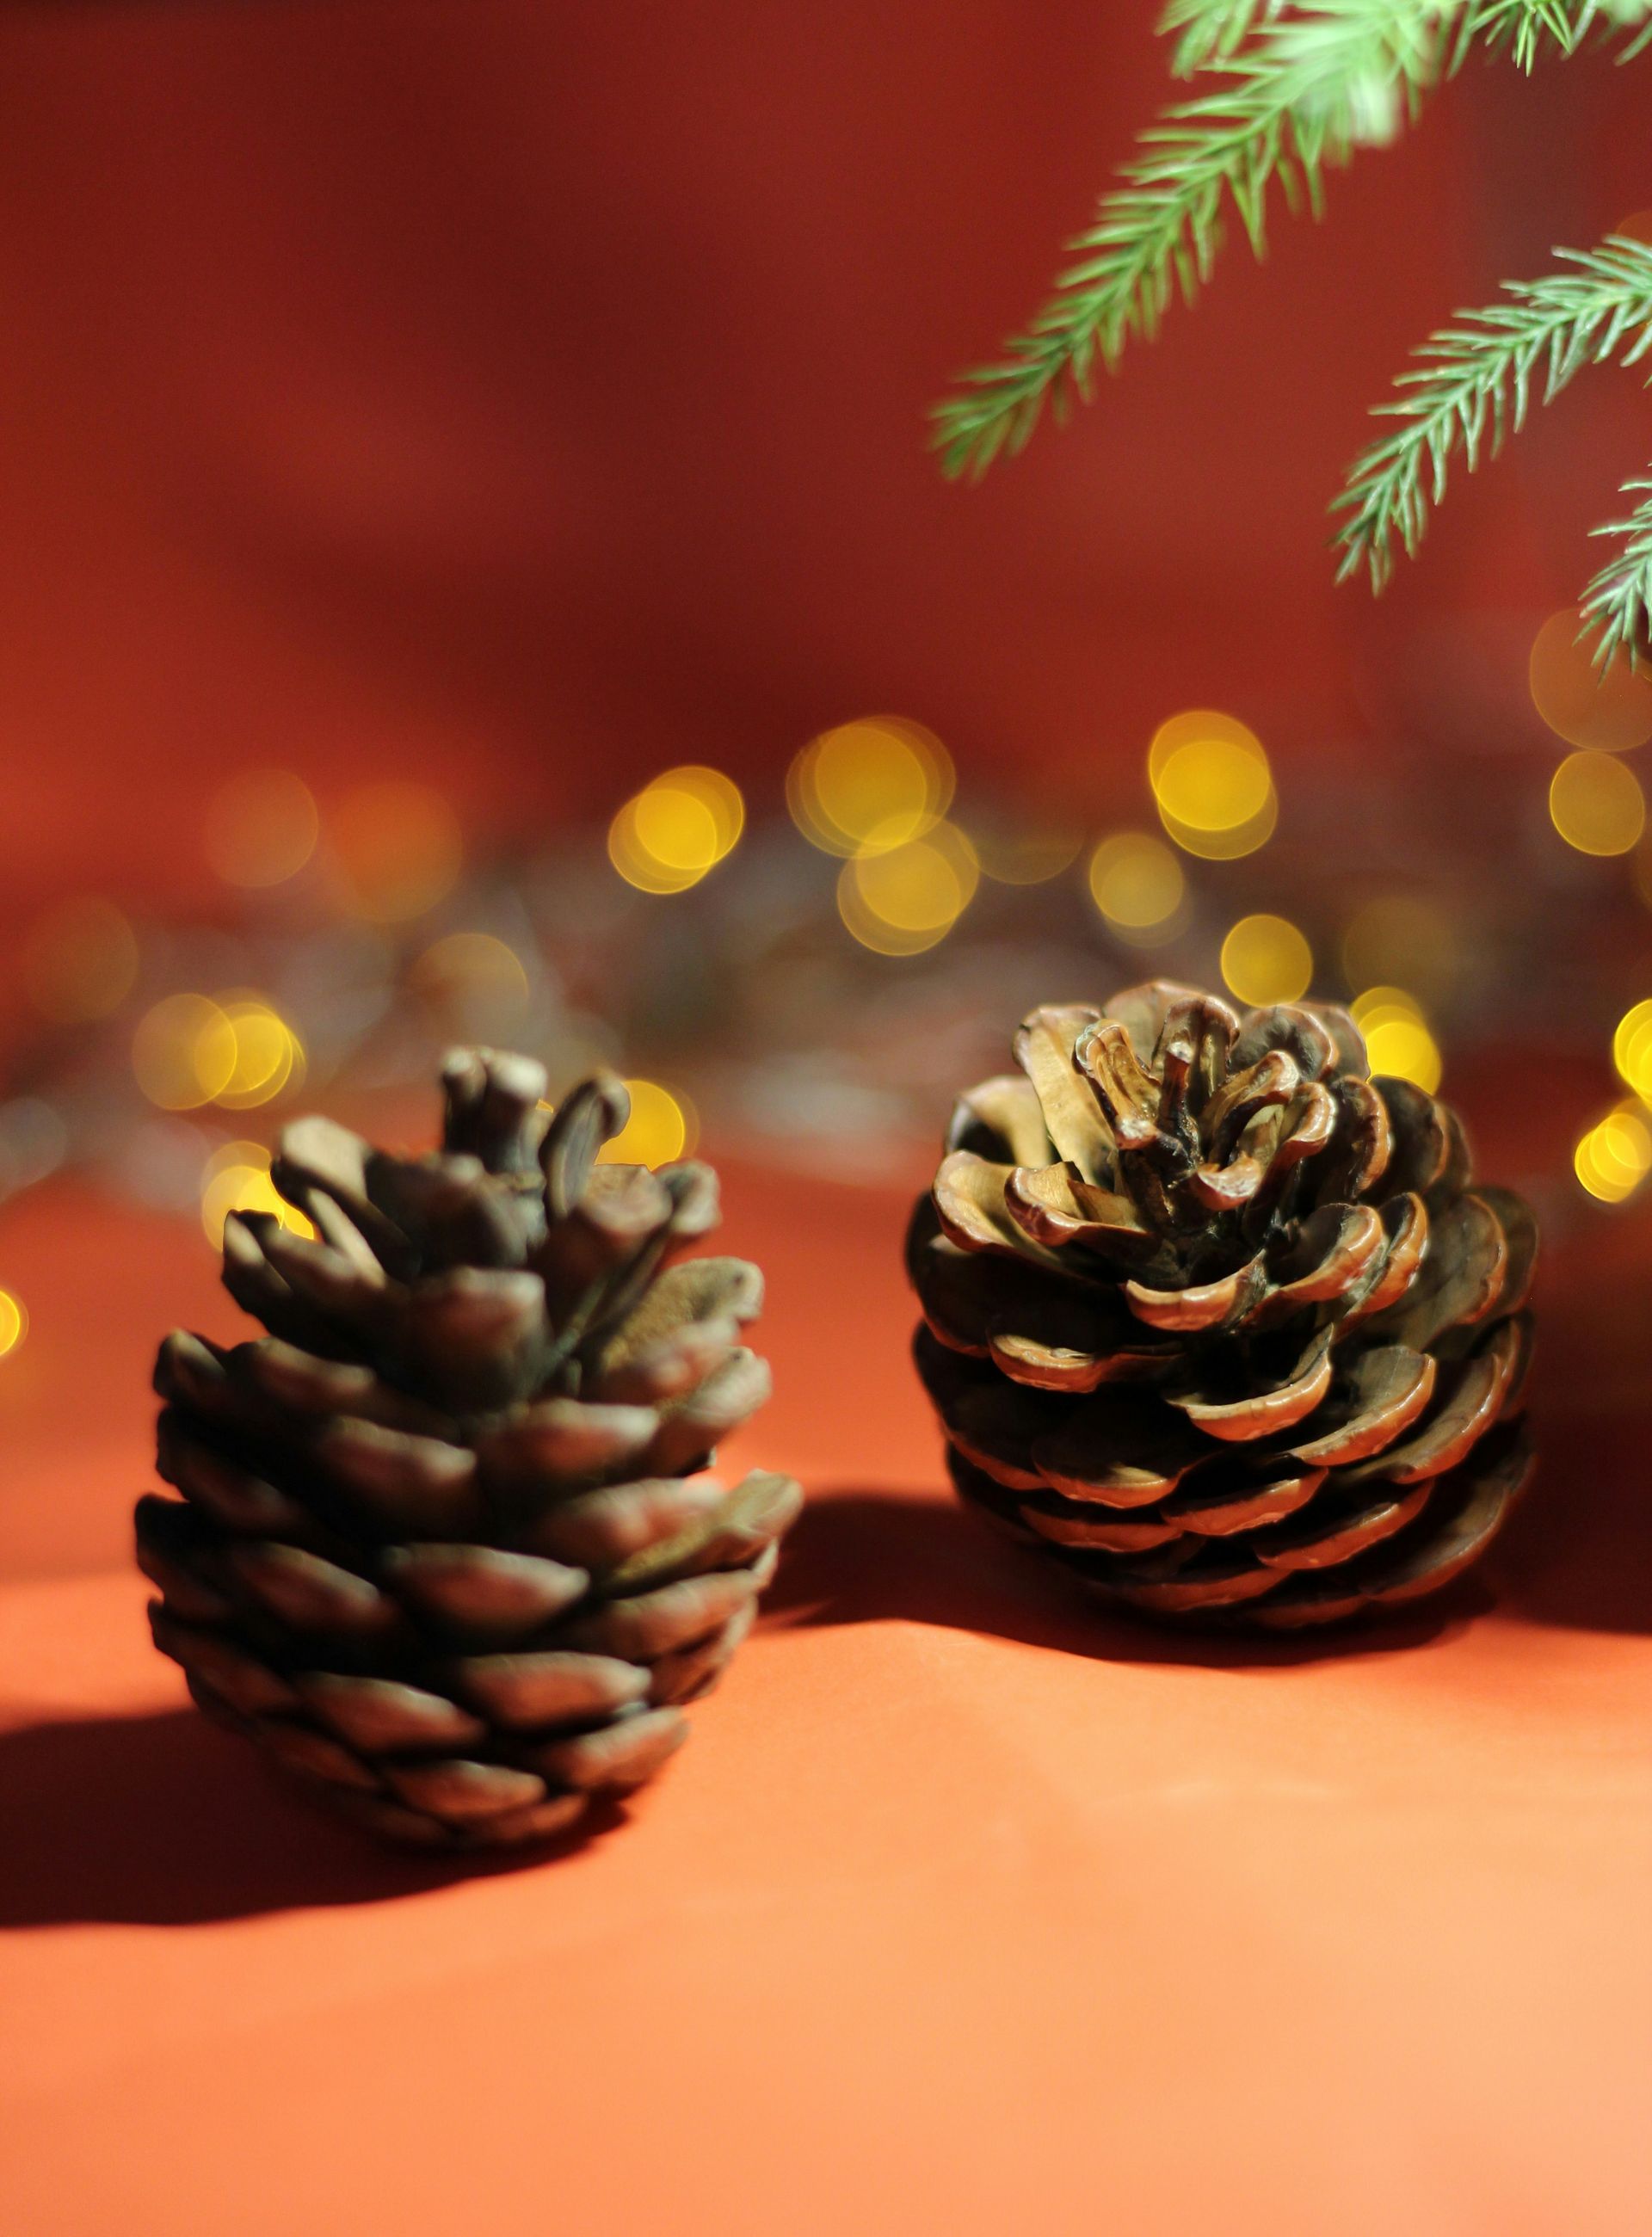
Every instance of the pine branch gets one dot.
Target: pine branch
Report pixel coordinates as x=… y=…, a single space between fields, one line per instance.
x=1472 y=386
x=1618 y=602
x=1210 y=30
x=1310 y=86
x=1524 y=23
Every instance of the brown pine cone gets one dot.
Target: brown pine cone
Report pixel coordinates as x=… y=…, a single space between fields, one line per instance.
x=443 y=1549
x=1220 y=1321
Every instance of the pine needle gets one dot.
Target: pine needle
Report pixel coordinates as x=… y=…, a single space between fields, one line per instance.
x=1617 y=606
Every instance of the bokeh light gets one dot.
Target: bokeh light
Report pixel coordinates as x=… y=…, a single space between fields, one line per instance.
x=79 y=961
x=869 y=786
x=184 y=1053
x=1137 y=885
x=261 y=828
x=398 y=847
x=1596 y=805
x=269 y=1058
x=14 y=1323
x=1614 y=1156
x=473 y=980
x=1632 y=1049
x=1027 y=856
x=1212 y=784
x=1265 y=959
x=667 y=836
x=662 y=1126
x=901 y=900
x=237 y=1178
x=1398 y=1043
x=1609 y=709
x=1400 y=938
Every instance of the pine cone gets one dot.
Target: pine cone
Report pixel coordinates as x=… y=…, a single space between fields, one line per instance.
x=1219 y=1319
x=442 y=1548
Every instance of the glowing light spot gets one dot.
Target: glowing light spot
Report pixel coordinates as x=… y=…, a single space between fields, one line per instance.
x=667 y=836
x=904 y=900
x=237 y=1178
x=1596 y=805
x=79 y=961
x=398 y=847
x=184 y=1053
x=14 y=1323
x=470 y=975
x=269 y=1058
x=1398 y=1041
x=1025 y=857
x=869 y=786
x=261 y=828
x=1213 y=785
x=1401 y=937
x=1265 y=959
x=1137 y=883
x=662 y=1126
x=1614 y=1156
x=1609 y=709
x=1632 y=1049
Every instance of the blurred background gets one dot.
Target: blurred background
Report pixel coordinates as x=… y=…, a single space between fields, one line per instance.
x=474 y=570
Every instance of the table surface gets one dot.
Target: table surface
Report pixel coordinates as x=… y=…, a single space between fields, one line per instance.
x=966 y=1907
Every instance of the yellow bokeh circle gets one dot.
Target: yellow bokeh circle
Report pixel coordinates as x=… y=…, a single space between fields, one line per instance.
x=261 y=828
x=1265 y=958
x=661 y=1127
x=1402 y=937
x=1609 y=709
x=1614 y=1156
x=14 y=1323
x=184 y=1053
x=269 y=1058
x=1137 y=883
x=1632 y=1048
x=667 y=836
x=237 y=1178
x=903 y=900
x=1212 y=784
x=398 y=847
x=1596 y=804
x=875 y=784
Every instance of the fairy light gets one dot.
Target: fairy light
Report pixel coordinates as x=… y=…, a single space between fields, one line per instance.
x=1265 y=959
x=1614 y=1156
x=79 y=961
x=1398 y=1044
x=398 y=849
x=237 y=1178
x=261 y=828
x=903 y=900
x=269 y=1058
x=1607 y=710
x=1632 y=1049
x=14 y=1323
x=1137 y=884
x=869 y=786
x=1596 y=804
x=662 y=1126
x=1212 y=784
x=681 y=824
x=184 y=1053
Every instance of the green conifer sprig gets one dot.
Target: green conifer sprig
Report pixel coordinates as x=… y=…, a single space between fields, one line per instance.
x=1617 y=606
x=1473 y=382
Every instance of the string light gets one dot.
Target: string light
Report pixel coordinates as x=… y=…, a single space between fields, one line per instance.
x=79 y=961
x=1212 y=784
x=1632 y=1049
x=269 y=1058
x=261 y=828
x=1595 y=804
x=184 y=1052
x=661 y=1128
x=870 y=786
x=1265 y=958
x=398 y=849
x=1614 y=1156
x=1138 y=885
x=1398 y=1044
x=1609 y=709
x=667 y=836
x=14 y=1323
x=237 y=1178
x=906 y=899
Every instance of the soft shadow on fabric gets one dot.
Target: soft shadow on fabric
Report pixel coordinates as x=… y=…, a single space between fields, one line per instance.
x=867 y=1556
x=162 y=1821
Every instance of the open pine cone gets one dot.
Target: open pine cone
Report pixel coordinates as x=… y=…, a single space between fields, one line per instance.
x=1220 y=1320
x=443 y=1547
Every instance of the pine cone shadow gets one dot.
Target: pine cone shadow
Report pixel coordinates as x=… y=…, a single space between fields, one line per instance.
x=160 y=1820
x=868 y=1556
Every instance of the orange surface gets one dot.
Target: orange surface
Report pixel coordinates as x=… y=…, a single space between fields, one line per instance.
x=966 y=1908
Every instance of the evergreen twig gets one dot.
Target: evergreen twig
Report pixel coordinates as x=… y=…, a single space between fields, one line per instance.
x=1470 y=390
x=1209 y=30
x=1617 y=605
